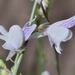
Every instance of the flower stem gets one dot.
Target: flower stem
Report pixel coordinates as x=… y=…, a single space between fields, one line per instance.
x=33 y=11
x=17 y=62
x=16 y=65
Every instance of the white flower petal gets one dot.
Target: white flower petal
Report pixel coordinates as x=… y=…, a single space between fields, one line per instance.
x=57 y=45
x=50 y=40
x=15 y=37
x=7 y=46
x=2 y=37
x=69 y=36
x=3 y=30
x=57 y=34
x=58 y=48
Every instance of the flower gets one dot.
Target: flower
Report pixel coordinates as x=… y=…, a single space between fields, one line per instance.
x=58 y=32
x=45 y=73
x=56 y=35
x=15 y=38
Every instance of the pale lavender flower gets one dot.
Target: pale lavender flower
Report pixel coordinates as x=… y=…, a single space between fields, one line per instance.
x=58 y=32
x=15 y=38
x=56 y=35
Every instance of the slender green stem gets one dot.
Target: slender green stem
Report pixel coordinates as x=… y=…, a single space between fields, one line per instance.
x=17 y=62
x=33 y=11
x=16 y=65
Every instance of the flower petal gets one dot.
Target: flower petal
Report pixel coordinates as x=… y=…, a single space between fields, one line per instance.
x=3 y=31
x=57 y=45
x=58 y=48
x=8 y=46
x=28 y=30
x=69 y=36
x=15 y=37
x=57 y=33
x=50 y=40
x=2 y=37
x=68 y=23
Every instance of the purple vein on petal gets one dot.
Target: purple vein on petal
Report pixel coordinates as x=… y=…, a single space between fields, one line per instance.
x=67 y=23
x=28 y=30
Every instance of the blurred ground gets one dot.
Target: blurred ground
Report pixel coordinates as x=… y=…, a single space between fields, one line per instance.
x=18 y=12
